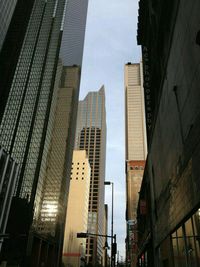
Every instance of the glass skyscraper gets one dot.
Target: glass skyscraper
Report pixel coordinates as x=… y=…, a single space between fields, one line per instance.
x=91 y=136
x=26 y=125
x=14 y=19
x=7 y=8
x=71 y=51
x=57 y=176
x=8 y=174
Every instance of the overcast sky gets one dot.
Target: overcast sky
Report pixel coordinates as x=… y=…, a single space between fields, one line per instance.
x=110 y=42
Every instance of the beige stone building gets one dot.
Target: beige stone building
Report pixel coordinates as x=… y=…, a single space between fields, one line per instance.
x=91 y=136
x=136 y=146
x=136 y=151
x=77 y=211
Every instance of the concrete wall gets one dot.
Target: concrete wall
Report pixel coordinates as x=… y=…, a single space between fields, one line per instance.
x=175 y=149
x=77 y=210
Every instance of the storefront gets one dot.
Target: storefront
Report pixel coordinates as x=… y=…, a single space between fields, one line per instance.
x=186 y=243
x=182 y=247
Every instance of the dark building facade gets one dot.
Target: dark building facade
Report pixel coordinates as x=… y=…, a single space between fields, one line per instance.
x=8 y=175
x=7 y=8
x=52 y=211
x=29 y=79
x=14 y=17
x=169 y=33
x=24 y=125
x=71 y=51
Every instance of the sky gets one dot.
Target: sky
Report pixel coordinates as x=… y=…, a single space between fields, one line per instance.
x=110 y=42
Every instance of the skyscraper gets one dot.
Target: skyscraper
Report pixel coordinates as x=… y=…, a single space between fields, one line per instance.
x=7 y=8
x=23 y=128
x=136 y=150
x=134 y=110
x=91 y=136
x=14 y=18
x=77 y=210
x=8 y=175
x=27 y=122
x=56 y=182
x=71 y=51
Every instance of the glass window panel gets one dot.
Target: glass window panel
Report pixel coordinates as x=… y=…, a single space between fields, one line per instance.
x=196 y=227
x=178 y=244
x=190 y=244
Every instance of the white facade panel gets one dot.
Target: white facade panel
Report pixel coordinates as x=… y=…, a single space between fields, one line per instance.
x=136 y=148
x=77 y=210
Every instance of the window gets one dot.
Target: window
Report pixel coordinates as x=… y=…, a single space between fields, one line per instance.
x=185 y=243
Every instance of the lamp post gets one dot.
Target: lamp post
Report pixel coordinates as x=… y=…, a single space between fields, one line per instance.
x=112 y=252
x=80 y=254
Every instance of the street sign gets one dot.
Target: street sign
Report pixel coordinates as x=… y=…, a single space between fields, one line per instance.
x=82 y=235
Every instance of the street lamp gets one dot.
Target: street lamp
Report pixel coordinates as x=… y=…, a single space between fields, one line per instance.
x=112 y=250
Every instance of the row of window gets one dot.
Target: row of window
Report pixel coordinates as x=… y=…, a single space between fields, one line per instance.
x=77 y=163
x=77 y=178
x=137 y=168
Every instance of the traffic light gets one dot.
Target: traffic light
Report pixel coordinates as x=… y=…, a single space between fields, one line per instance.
x=114 y=248
x=82 y=235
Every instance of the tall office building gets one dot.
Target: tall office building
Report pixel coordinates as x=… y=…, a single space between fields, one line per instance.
x=91 y=136
x=8 y=175
x=50 y=204
x=71 y=51
x=14 y=18
x=26 y=126
x=50 y=219
x=29 y=90
x=56 y=184
x=136 y=150
x=25 y=121
x=77 y=210
x=7 y=8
